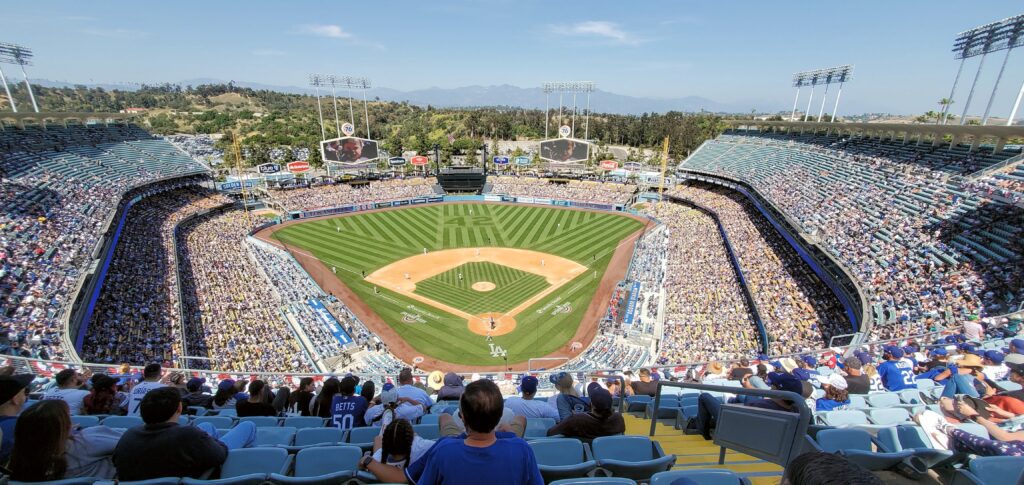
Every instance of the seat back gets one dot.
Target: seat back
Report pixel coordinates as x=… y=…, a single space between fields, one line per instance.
x=975 y=429
x=845 y=418
x=261 y=421
x=624 y=448
x=706 y=476
x=998 y=469
x=123 y=421
x=322 y=460
x=362 y=435
x=430 y=419
x=245 y=461
x=219 y=422
x=857 y=401
x=889 y=416
x=833 y=440
x=558 y=451
x=538 y=427
x=315 y=436
x=911 y=396
x=427 y=431
x=227 y=412
x=274 y=436
x=300 y=422
x=925 y=383
x=912 y=437
x=883 y=400
x=85 y=421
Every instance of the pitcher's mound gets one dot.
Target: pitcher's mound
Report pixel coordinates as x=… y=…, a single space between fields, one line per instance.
x=483 y=286
x=481 y=324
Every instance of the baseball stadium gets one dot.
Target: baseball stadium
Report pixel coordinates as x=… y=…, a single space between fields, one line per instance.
x=236 y=283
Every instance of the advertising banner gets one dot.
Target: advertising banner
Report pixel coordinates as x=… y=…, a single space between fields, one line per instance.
x=501 y=160
x=298 y=166
x=609 y=165
x=632 y=166
x=634 y=295
x=329 y=321
x=396 y=161
x=419 y=161
x=492 y=198
x=523 y=161
x=268 y=168
x=349 y=150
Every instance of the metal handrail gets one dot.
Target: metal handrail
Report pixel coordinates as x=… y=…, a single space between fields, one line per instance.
x=797 y=400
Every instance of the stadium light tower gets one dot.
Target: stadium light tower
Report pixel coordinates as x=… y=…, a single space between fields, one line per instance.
x=22 y=56
x=828 y=76
x=350 y=83
x=316 y=81
x=573 y=87
x=981 y=41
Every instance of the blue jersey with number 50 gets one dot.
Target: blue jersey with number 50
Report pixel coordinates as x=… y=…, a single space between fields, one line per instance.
x=897 y=375
x=347 y=411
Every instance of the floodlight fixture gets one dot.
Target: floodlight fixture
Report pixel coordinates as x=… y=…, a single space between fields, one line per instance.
x=22 y=56
x=562 y=87
x=818 y=77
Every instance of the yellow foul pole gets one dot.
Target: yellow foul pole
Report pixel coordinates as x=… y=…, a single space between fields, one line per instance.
x=238 y=173
x=664 y=167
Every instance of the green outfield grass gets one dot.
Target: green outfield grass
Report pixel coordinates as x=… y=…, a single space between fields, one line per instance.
x=365 y=242
x=512 y=286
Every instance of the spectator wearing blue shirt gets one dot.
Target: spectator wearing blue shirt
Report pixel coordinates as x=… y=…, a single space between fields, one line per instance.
x=478 y=456
x=410 y=395
x=836 y=395
x=348 y=409
x=806 y=369
x=13 y=395
x=896 y=372
x=527 y=406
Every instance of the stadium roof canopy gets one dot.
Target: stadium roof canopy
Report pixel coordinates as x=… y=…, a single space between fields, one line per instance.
x=41 y=119
x=907 y=132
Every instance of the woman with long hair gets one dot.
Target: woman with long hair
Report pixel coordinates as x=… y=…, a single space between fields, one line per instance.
x=48 y=447
x=368 y=391
x=568 y=401
x=836 y=395
x=257 y=404
x=400 y=446
x=322 y=405
x=225 y=396
x=302 y=398
x=102 y=399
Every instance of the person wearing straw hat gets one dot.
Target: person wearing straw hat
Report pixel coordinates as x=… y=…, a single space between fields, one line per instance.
x=435 y=380
x=965 y=378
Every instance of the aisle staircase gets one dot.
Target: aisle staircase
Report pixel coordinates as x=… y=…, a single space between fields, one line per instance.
x=693 y=451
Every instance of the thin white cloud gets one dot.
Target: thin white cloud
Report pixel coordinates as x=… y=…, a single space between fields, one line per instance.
x=330 y=31
x=598 y=28
x=115 y=33
x=268 y=52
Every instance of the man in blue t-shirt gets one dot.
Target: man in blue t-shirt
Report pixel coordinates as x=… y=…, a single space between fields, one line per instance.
x=347 y=409
x=469 y=458
x=13 y=395
x=896 y=372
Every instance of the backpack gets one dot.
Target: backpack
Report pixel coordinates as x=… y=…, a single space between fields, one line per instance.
x=577 y=405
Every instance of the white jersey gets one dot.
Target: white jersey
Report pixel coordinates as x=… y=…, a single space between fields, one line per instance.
x=73 y=397
x=138 y=392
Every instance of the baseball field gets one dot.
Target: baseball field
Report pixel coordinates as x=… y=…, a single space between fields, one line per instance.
x=467 y=284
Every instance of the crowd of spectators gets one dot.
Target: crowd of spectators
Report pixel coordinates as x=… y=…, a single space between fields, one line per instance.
x=926 y=249
x=577 y=190
x=136 y=317
x=200 y=147
x=706 y=315
x=798 y=310
x=336 y=195
x=230 y=314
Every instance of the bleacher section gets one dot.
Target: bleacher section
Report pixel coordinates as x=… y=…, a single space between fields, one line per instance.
x=60 y=186
x=927 y=248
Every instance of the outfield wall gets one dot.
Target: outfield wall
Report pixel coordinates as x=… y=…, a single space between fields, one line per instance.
x=348 y=209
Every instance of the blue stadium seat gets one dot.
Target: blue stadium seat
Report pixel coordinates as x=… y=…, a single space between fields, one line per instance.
x=843 y=418
x=594 y=481
x=925 y=384
x=323 y=464
x=537 y=427
x=975 y=429
x=85 y=421
x=560 y=458
x=227 y=412
x=362 y=437
x=123 y=422
x=152 y=481
x=300 y=422
x=219 y=422
x=183 y=420
x=430 y=419
x=197 y=411
x=248 y=479
x=249 y=461
x=317 y=436
x=889 y=416
x=66 y=481
x=261 y=421
x=855 y=444
x=991 y=470
x=700 y=476
x=913 y=438
x=274 y=436
x=427 y=431
x=857 y=401
x=637 y=403
x=635 y=457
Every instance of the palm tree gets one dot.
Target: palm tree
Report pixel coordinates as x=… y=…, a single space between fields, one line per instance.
x=944 y=103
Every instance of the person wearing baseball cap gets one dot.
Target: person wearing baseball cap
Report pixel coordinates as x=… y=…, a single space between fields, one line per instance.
x=856 y=381
x=195 y=395
x=994 y=368
x=601 y=420
x=150 y=380
x=14 y=391
x=836 y=395
x=896 y=372
x=526 y=406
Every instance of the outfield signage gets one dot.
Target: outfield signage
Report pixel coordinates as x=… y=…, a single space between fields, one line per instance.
x=396 y=161
x=501 y=160
x=523 y=161
x=298 y=166
x=329 y=321
x=268 y=168
x=634 y=295
x=609 y=165
x=419 y=161
x=632 y=166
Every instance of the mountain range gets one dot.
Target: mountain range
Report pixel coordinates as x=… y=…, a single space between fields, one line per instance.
x=477 y=96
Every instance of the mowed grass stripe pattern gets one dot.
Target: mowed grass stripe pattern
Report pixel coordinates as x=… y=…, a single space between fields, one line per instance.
x=512 y=286
x=368 y=241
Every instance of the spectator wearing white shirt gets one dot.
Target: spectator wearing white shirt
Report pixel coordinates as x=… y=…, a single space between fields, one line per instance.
x=69 y=389
x=994 y=369
x=973 y=330
x=150 y=380
x=526 y=406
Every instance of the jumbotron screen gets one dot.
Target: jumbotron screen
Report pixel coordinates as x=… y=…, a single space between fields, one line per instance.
x=564 y=150
x=349 y=150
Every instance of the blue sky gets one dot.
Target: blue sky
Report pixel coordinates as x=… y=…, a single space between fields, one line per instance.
x=737 y=52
